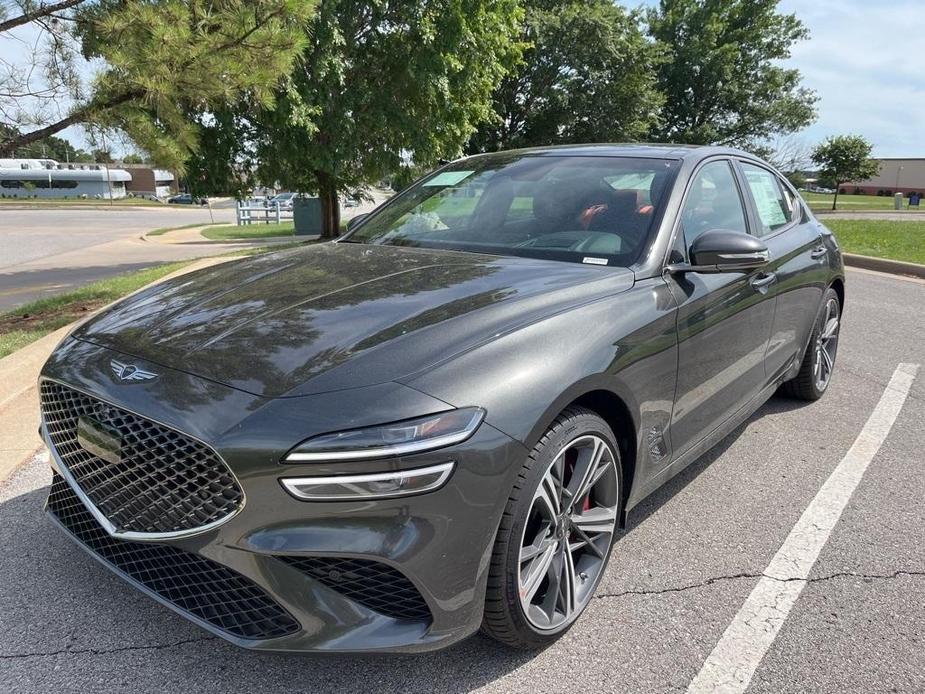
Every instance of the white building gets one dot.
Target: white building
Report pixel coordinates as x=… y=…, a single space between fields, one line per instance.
x=47 y=178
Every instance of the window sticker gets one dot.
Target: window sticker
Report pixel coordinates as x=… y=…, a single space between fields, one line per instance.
x=594 y=261
x=448 y=178
x=767 y=198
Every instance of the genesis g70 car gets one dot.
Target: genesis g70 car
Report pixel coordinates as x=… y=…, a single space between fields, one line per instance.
x=438 y=422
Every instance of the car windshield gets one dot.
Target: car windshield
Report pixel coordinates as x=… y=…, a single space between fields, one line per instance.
x=596 y=210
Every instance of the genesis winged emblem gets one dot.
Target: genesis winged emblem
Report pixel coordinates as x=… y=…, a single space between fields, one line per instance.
x=130 y=372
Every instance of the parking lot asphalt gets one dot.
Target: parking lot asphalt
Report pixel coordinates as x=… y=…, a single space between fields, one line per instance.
x=48 y=251
x=679 y=574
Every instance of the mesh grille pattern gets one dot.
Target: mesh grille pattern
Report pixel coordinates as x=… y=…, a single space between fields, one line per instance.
x=163 y=481
x=200 y=586
x=374 y=585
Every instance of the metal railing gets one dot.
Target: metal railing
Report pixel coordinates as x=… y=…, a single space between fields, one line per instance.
x=251 y=212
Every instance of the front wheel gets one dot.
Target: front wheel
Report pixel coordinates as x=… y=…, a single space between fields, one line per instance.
x=819 y=361
x=556 y=532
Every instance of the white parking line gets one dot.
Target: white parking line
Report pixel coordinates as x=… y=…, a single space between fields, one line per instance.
x=729 y=668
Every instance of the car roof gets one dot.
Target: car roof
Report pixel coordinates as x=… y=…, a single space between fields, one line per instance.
x=645 y=150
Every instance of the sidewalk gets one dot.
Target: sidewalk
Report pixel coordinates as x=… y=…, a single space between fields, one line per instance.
x=19 y=400
x=193 y=236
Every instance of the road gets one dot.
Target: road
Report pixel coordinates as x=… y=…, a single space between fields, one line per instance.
x=680 y=573
x=47 y=251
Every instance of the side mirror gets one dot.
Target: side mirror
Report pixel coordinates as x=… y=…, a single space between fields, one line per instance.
x=355 y=222
x=725 y=251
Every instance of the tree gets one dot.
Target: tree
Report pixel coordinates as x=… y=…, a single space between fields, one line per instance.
x=587 y=76
x=163 y=59
x=380 y=82
x=845 y=158
x=48 y=148
x=133 y=158
x=722 y=78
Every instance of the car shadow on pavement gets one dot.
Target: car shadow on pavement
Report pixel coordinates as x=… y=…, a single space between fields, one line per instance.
x=67 y=620
x=777 y=404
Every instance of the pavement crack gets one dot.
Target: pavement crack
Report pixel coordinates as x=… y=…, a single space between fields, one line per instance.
x=852 y=574
x=680 y=589
x=740 y=576
x=106 y=651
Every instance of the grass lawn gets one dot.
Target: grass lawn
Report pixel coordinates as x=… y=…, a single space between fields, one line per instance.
x=249 y=231
x=231 y=232
x=893 y=239
x=38 y=318
x=820 y=201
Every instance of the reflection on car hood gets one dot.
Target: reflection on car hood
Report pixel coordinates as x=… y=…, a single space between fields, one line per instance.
x=336 y=315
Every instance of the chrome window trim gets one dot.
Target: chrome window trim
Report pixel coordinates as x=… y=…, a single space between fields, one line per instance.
x=292 y=484
x=107 y=525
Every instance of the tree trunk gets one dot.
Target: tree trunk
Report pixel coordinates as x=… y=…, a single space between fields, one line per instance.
x=330 y=206
x=835 y=199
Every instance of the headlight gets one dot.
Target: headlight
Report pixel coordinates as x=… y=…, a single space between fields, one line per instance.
x=378 y=485
x=389 y=440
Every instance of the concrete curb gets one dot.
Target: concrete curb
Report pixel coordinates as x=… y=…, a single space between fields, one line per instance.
x=19 y=399
x=893 y=267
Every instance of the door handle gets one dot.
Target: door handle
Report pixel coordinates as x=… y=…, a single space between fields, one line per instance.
x=760 y=283
x=818 y=253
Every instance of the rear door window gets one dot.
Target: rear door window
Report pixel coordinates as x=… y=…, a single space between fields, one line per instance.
x=775 y=207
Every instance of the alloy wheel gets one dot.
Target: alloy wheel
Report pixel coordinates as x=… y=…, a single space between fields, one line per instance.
x=826 y=345
x=568 y=533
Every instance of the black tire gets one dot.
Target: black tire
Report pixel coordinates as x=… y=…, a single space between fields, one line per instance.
x=505 y=618
x=806 y=385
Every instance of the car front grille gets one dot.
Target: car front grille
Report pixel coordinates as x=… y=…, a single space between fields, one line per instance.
x=199 y=586
x=373 y=585
x=155 y=480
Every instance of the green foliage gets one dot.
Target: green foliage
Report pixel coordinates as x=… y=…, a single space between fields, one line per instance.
x=587 y=76
x=133 y=159
x=379 y=81
x=844 y=158
x=797 y=179
x=722 y=78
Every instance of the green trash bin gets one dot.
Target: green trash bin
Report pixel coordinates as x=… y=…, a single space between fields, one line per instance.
x=306 y=216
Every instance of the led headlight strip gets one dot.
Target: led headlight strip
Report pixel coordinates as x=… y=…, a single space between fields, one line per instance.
x=390 y=440
x=379 y=485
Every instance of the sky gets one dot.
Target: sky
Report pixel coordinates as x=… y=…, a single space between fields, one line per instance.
x=864 y=58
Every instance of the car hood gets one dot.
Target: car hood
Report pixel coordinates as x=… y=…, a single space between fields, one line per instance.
x=337 y=315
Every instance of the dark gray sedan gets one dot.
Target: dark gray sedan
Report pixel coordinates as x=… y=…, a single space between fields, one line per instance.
x=439 y=422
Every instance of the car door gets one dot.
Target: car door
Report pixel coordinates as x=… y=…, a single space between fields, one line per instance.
x=723 y=321
x=798 y=260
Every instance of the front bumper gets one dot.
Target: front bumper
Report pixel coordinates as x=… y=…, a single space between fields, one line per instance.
x=338 y=569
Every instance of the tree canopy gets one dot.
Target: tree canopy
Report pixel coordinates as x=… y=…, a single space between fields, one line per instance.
x=380 y=82
x=588 y=75
x=721 y=77
x=162 y=59
x=844 y=158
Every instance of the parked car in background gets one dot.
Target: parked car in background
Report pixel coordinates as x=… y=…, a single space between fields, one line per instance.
x=438 y=422
x=187 y=199
x=284 y=200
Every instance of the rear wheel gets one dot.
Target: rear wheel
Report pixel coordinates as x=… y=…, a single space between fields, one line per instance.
x=819 y=361
x=556 y=532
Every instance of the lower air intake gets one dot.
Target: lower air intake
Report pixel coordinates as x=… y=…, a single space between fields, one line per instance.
x=376 y=586
x=199 y=586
